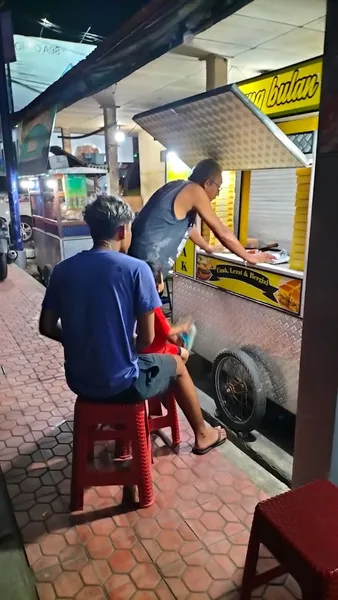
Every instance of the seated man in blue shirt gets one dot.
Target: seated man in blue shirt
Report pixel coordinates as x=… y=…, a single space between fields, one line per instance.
x=93 y=304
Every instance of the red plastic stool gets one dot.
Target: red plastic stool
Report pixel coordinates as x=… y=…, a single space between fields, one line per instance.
x=131 y=423
x=300 y=529
x=158 y=420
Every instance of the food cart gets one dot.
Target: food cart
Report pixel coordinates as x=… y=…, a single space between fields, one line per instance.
x=249 y=319
x=57 y=201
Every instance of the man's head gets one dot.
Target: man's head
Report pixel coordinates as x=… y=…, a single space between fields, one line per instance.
x=109 y=220
x=208 y=174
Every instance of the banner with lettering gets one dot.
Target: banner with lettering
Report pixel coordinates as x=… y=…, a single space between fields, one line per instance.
x=261 y=286
x=33 y=143
x=185 y=263
x=292 y=90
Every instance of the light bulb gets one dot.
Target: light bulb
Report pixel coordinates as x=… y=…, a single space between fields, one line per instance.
x=120 y=136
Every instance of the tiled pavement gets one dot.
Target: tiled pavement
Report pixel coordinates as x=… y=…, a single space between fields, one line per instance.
x=190 y=545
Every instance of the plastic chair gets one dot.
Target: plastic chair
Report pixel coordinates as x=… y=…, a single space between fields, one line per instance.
x=128 y=423
x=300 y=529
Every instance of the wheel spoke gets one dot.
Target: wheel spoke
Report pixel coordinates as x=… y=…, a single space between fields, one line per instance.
x=235 y=389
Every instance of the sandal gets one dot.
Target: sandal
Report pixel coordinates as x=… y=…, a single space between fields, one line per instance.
x=219 y=442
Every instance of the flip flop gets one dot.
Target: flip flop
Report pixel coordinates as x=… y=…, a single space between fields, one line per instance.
x=219 y=442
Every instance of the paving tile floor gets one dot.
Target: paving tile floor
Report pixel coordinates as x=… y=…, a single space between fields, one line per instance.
x=190 y=545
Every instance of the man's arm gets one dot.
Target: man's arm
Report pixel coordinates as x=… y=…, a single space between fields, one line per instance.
x=145 y=330
x=49 y=324
x=196 y=237
x=146 y=299
x=201 y=204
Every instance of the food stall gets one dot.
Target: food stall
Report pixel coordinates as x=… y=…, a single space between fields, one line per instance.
x=57 y=201
x=249 y=319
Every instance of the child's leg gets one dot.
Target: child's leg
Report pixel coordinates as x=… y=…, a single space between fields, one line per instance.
x=184 y=354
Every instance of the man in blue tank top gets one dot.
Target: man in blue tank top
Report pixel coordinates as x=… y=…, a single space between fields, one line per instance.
x=92 y=305
x=167 y=220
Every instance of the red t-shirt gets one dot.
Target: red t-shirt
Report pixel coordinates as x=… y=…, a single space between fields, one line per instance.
x=160 y=344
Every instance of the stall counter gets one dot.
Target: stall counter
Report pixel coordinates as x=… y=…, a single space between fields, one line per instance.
x=276 y=286
x=282 y=269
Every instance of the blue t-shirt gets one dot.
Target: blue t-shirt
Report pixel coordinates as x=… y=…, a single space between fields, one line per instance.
x=98 y=295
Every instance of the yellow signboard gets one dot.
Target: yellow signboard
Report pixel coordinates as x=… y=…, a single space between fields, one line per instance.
x=267 y=288
x=291 y=90
x=185 y=263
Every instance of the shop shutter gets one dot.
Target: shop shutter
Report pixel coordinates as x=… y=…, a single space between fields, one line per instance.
x=272 y=206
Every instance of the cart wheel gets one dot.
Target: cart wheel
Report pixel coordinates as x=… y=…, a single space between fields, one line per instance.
x=272 y=375
x=240 y=396
x=46 y=274
x=3 y=266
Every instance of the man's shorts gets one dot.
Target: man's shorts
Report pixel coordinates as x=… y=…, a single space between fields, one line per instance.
x=156 y=373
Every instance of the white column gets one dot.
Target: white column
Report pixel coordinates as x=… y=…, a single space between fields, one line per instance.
x=107 y=102
x=216 y=71
x=110 y=129
x=152 y=169
x=66 y=142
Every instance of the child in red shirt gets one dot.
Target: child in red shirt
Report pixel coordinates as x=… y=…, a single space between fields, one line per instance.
x=166 y=335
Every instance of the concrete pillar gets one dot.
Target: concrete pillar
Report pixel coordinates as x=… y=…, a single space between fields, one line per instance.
x=106 y=100
x=111 y=145
x=317 y=395
x=152 y=169
x=216 y=71
x=66 y=142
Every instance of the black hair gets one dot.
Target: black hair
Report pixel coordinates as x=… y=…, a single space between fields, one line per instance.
x=105 y=215
x=204 y=170
x=156 y=271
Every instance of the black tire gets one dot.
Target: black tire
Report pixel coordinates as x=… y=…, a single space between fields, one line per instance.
x=252 y=386
x=46 y=274
x=272 y=375
x=3 y=266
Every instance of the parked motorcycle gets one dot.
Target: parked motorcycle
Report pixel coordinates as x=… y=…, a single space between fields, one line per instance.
x=7 y=255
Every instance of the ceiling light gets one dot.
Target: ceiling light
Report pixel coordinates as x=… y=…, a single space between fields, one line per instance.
x=120 y=136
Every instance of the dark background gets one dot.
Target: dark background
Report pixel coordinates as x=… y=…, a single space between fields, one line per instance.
x=71 y=18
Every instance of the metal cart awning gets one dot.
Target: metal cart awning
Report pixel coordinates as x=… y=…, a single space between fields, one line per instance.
x=225 y=125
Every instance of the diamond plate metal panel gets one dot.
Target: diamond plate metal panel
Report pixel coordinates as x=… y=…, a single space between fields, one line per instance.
x=223 y=320
x=224 y=125
x=303 y=141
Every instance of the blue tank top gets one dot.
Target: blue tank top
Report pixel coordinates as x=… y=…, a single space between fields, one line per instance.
x=157 y=235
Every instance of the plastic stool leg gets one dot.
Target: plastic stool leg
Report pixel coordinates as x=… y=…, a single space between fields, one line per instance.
x=122 y=447
x=155 y=407
x=79 y=466
x=250 y=567
x=91 y=438
x=142 y=457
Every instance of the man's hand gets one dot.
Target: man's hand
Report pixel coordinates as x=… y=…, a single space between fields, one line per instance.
x=216 y=249
x=260 y=257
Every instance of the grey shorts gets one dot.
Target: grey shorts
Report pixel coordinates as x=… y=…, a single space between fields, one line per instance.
x=156 y=373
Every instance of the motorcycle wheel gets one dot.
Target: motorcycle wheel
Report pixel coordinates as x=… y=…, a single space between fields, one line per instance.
x=3 y=266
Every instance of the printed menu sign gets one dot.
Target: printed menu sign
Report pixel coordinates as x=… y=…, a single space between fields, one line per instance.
x=272 y=289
